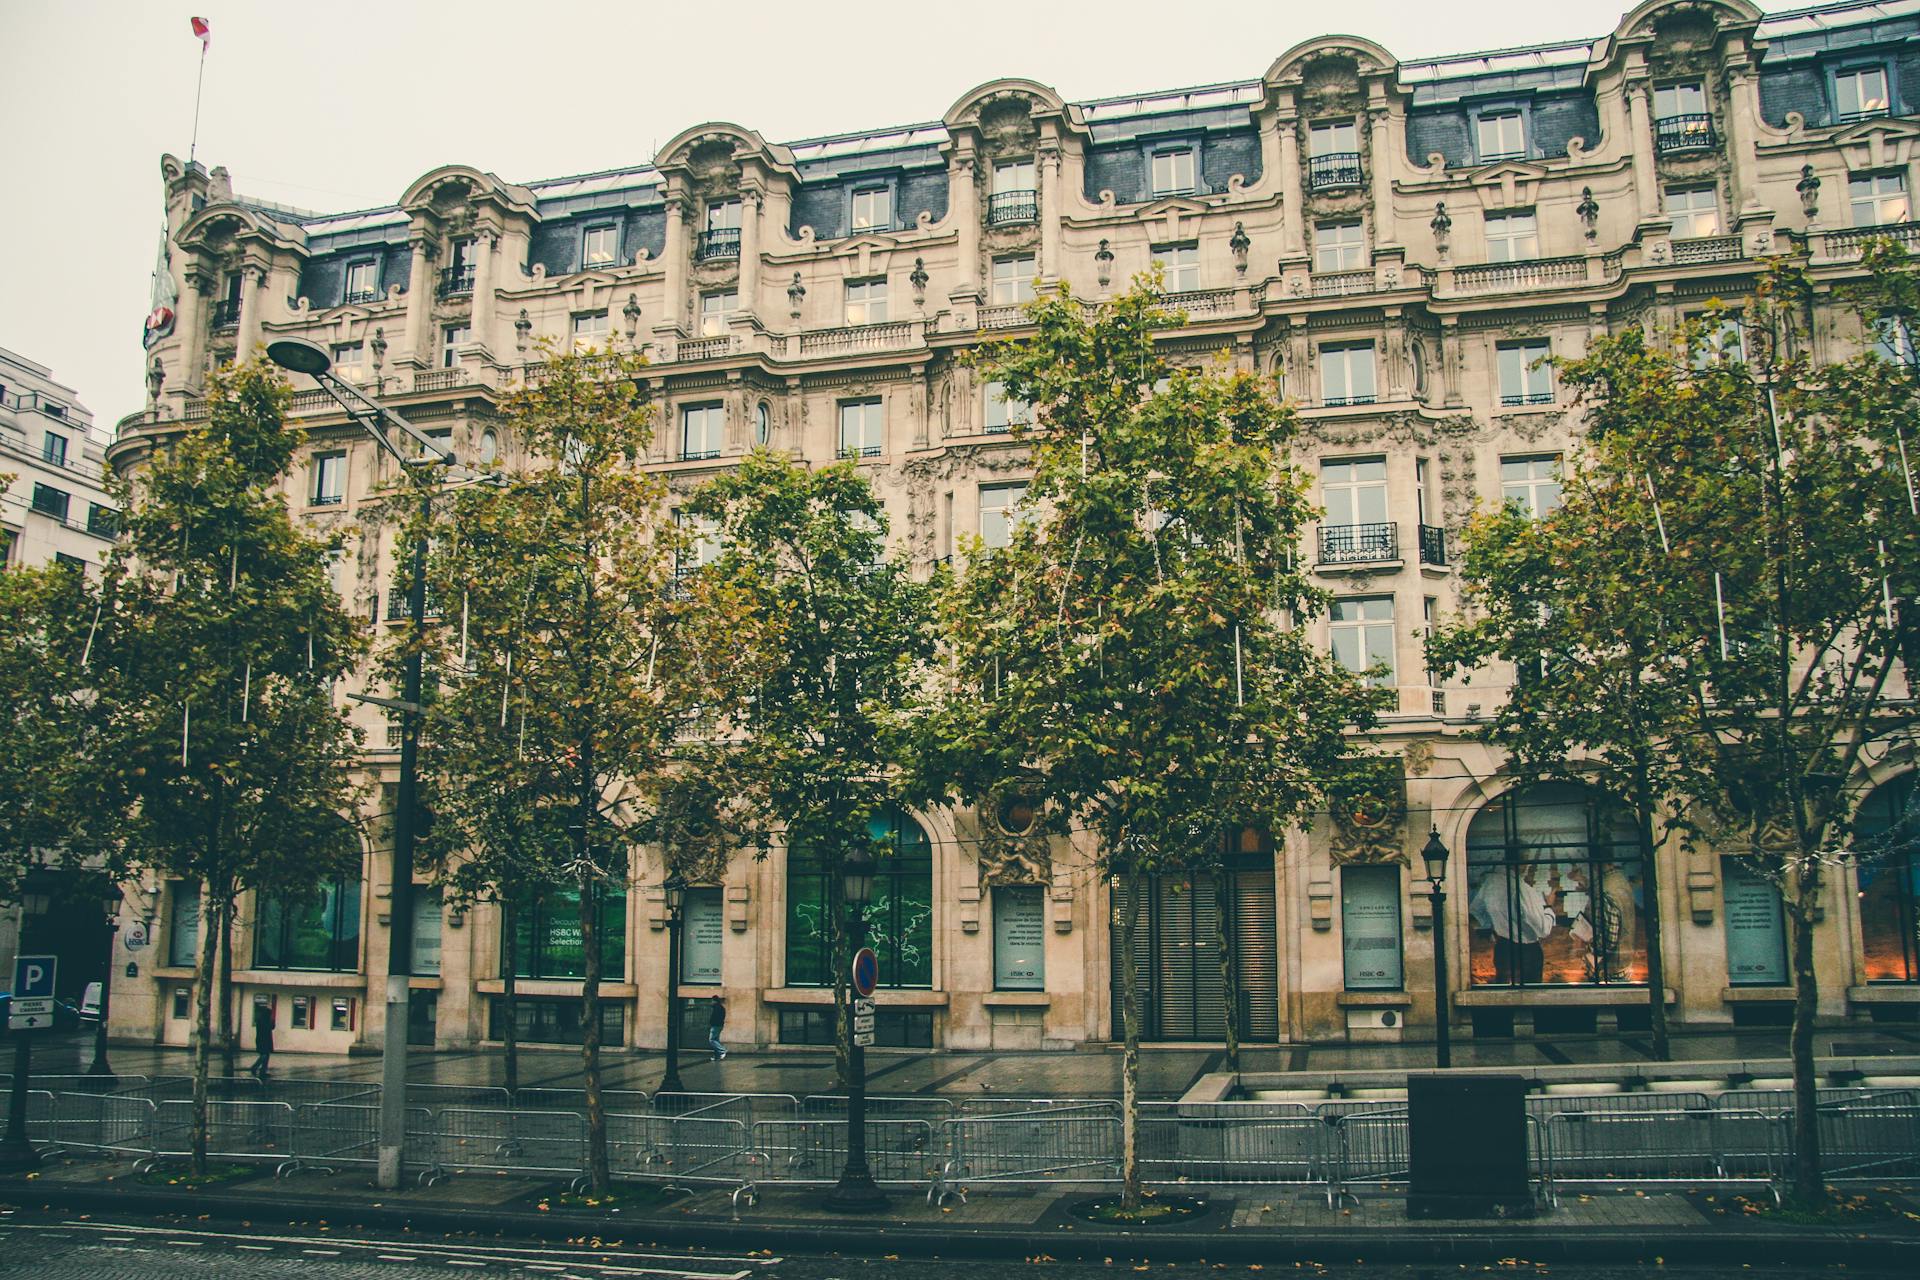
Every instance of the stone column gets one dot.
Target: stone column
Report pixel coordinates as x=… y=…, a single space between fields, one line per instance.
x=1292 y=192
x=419 y=299
x=752 y=203
x=252 y=277
x=486 y=245
x=1384 y=222
x=1049 y=264
x=963 y=203
x=1743 y=109
x=191 y=324
x=679 y=253
x=1646 y=183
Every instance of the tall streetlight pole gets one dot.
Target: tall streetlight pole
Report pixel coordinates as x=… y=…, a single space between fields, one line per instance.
x=381 y=423
x=676 y=891
x=1435 y=856
x=856 y=1191
x=109 y=903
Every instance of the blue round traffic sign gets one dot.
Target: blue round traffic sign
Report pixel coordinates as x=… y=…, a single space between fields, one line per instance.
x=866 y=971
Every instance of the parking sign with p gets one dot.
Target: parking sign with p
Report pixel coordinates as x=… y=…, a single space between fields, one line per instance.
x=31 y=1007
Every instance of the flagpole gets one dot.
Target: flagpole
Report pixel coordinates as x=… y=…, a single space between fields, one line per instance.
x=194 y=144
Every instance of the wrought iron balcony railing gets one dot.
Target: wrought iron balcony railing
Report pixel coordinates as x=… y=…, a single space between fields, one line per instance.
x=1358 y=543
x=1433 y=544
x=720 y=242
x=1005 y=207
x=361 y=295
x=1526 y=397
x=1333 y=171
x=226 y=314
x=1692 y=131
x=455 y=281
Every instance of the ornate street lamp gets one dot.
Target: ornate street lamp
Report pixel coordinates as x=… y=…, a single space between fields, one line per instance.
x=675 y=886
x=110 y=904
x=1435 y=856
x=856 y=1191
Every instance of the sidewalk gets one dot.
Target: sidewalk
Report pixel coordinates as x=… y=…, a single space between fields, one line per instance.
x=1268 y=1225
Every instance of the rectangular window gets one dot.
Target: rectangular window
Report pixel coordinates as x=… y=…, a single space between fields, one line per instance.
x=1502 y=135
x=1019 y=938
x=1346 y=373
x=53 y=449
x=64 y=561
x=1013 y=197
x=701 y=428
x=1893 y=342
x=1859 y=93
x=182 y=1003
x=350 y=361
x=1013 y=175
x=1370 y=927
x=1531 y=483
x=1755 y=927
x=1512 y=237
x=866 y=301
x=872 y=209
x=318 y=930
x=452 y=338
x=701 y=933
x=702 y=541
x=1339 y=246
x=723 y=215
x=1333 y=138
x=183 y=923
x=862 y=428
x=600 y=246
x=1354 y=491
x=465 y=255
x=329 y=479
x=1002 y=414
x=716 y=309
x=1012 y=279
x=1723 y=338
x=1182 y=265
x=1429 y=617
x=1672 y=100
x=49 y=501
x=363 y=281
x=1525 y=377
x=589 y=330
x=1879 y=199
x=554 y=1021
x=1693 y=211
x=547 y=942
x=1362 y=632
x=1173 y=171
x=899 y=914
x=427 y=901
x=998 y=512
x=721 y=239
x=102 y=520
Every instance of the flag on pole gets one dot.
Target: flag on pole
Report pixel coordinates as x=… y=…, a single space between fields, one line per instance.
x=165 y=295
x=203 y=29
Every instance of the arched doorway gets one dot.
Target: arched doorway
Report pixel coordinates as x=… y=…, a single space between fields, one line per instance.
x=1886 y=830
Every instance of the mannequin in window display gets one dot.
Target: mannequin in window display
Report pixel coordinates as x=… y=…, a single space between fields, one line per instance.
x=1512 y=904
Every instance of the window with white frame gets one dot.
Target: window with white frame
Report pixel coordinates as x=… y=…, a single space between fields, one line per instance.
x=53 y=448
x=1879 y=199
x=1531 y=482
x=1346 y=373
x=1362 y=634
x=1725 y=339
x=1502 y=135
x=1003 y=414
x=701 y=428
x=723 y=215
x=1525 y=377
x=329 y=472
x=999 y=514
x=1012 y=175
x=872 y=209
x=589 y=330
x=1893 y=341
x=1339 y=246
x=1354 y=492
x=702 y=546
x=862 y=428
x=600 y=246
x=1181 y=262
x=1693 y=211
x=350 y=361
x=1512 y=237
x=1860 y=92
x=1687 y=99
x=1012 y=279
x=866 y=301
x=452 y=338
x=1333 y=138
x=363 y=282
x=1173 y=171
x=716 y=308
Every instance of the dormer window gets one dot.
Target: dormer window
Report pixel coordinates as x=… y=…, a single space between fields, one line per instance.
x=363 y=281
x=1502 y=135
x=462 y=256
x=226 y=312
x=1014 y=197
x=1860 y=92
x=1173 y=171
x=1680 y=118
x=600 y=246
x=721 y=239
x=872 y=209
x=1333 y=156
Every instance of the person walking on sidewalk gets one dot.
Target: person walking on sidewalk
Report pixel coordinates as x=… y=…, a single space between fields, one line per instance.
x=716 y=1023
x=262 y=1037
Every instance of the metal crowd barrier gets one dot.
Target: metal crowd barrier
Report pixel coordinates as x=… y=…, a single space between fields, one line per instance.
x=814 y=1151
x=104 y=1124
x=932 y=1108
x=679 y=1149
x=611 y=1100
x=240 y=1132
x=747 y=1108
x=466 y=1140
x=1647 y=1148
x=1216 y=1144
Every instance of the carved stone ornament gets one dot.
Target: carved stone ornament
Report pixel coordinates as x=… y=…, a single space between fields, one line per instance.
x=1442 y=222
x=1809 y=189
x=379 y=348
x=1370 y=812
x=1015 y=847
x=796 y=294
x=156 y=379
x=1589 y=211
x=1103 y=263
x=631 y=313
x=918 y=279
x=1239 y=244
x=522 y=329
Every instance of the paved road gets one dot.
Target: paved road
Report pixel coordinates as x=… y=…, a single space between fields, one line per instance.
x=56 y=1246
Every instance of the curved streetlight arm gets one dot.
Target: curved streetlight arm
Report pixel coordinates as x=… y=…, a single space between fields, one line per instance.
x=380 y=422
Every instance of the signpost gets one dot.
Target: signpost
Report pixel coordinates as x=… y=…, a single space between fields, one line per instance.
x=865 y=975
x=31 y=1009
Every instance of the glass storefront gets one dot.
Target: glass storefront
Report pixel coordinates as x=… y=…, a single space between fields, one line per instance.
x=547 y=935
x=1886 y=829
x=318 y=930
x=899 y=918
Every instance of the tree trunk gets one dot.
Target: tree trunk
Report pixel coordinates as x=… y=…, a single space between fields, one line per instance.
x=206 y=965
x=599 y=1171
x=1129 y=1049
x=1223 y=889
x=509 y=991
x=229 y=1034
x=1808 y=1186
x=1650 y=880
x=839 y=959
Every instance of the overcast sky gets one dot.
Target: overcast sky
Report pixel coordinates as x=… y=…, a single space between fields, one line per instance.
x=339 y=105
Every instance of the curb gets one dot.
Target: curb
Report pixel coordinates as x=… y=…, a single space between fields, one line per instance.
x=870 y=1239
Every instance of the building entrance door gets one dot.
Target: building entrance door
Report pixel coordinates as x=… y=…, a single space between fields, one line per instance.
x=1201 y=943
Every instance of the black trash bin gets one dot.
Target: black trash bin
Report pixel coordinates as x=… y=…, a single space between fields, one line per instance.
x=1467 y=1137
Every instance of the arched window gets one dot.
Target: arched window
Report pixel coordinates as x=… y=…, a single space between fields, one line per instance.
x=1886 y=829
x=899 y=918
x=1555 y=894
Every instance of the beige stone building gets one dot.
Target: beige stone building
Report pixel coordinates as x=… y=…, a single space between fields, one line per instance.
x=1398 y=242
